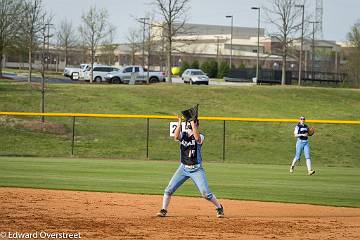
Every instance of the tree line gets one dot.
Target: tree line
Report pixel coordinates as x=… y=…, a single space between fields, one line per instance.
x=23 y=27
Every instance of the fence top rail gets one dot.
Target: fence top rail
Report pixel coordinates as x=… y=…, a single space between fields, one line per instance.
x=95 y=115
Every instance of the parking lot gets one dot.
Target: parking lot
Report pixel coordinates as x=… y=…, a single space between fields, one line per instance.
x=64 y=80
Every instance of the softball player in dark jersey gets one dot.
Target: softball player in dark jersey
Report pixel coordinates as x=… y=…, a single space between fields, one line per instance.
x=190 y=167
x=302 y=145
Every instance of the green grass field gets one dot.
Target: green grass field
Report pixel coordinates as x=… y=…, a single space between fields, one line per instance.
x=330 y=186
x=259 y=143
x=257 y=154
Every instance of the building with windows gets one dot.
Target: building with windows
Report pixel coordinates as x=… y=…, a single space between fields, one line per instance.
x=202 y=42
x=318 y=55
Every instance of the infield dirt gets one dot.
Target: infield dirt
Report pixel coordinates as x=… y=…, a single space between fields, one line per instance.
x=98 y=215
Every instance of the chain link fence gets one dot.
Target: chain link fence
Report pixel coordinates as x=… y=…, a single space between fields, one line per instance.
x=147 y=138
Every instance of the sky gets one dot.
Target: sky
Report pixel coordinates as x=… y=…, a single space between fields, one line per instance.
x=339 y=15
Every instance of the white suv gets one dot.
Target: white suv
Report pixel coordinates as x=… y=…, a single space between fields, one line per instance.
x=98 y=73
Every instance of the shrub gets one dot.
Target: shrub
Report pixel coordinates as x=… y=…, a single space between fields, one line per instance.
x=223 y=69
x=195 y=64
x=184 y=65
x=210 y=68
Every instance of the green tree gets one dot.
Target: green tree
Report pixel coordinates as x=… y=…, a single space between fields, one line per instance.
x=195 y=64
x=184 y=65
x=242 y=66
x=210 y=68
x=205 y=67
x=213 y=68
x=223 y=69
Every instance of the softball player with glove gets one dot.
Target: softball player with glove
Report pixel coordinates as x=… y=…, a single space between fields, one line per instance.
x=301 y=132
x=191 y=142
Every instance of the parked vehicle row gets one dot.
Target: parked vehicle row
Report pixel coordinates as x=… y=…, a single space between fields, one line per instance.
x=135 y=73
x=75 y=73
x=103 y=73
x=99 y=73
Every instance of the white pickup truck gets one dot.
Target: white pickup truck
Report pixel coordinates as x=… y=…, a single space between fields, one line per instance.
x=135 y=73
x=75 y=73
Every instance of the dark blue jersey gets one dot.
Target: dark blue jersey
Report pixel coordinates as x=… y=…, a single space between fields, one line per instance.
x=190 y=150
x=301 y=129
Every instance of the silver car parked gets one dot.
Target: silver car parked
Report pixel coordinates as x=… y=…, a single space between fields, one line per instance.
x=195 y=76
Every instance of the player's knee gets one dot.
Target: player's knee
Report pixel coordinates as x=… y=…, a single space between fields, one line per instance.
x=168 y=191
x=207 y=195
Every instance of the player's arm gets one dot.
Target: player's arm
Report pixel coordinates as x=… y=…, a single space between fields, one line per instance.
x=296 y=134
x=177 y=133
x=196 y=132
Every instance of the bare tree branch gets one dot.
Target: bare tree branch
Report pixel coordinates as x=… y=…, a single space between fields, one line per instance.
x=134 y=38
x=173 y=13
x=109 y=47
x=354 y=35
x=94 y=29
x=66 y=37
x=33 y=24
x=285 y=17
x=353 y=63
x=10 y=25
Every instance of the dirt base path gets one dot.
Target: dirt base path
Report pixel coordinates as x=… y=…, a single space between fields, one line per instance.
x=127 y=216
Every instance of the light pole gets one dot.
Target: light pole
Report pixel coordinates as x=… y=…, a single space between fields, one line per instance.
x=302 y=41
x=48 y=45
x=42 y=103
x=148 y=57
x=258 y=44
x=313 y=50
x=231 y=38
x=143 y=21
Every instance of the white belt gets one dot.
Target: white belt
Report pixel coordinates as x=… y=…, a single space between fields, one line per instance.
x=191 y=166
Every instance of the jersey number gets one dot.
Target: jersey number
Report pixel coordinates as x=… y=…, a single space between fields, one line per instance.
x=173 y=126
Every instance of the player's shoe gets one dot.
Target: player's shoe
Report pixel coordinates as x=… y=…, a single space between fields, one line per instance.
x=220 y=212
x=161 y=213
x=311 y=172
x=292 y=169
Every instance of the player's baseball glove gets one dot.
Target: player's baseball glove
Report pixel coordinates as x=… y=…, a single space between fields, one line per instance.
x=191 y=114
x=311 y=131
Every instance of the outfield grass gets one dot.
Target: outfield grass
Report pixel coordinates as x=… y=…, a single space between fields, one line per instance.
x=330 y=186
x=260 y=143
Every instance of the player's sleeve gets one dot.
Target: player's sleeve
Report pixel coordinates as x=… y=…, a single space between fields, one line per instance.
x=296 y=131
x=181 y=137
x=202 y=138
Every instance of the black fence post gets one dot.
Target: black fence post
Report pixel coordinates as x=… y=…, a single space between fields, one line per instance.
x=73 y=137
x=224 y=141
x=147 y=137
